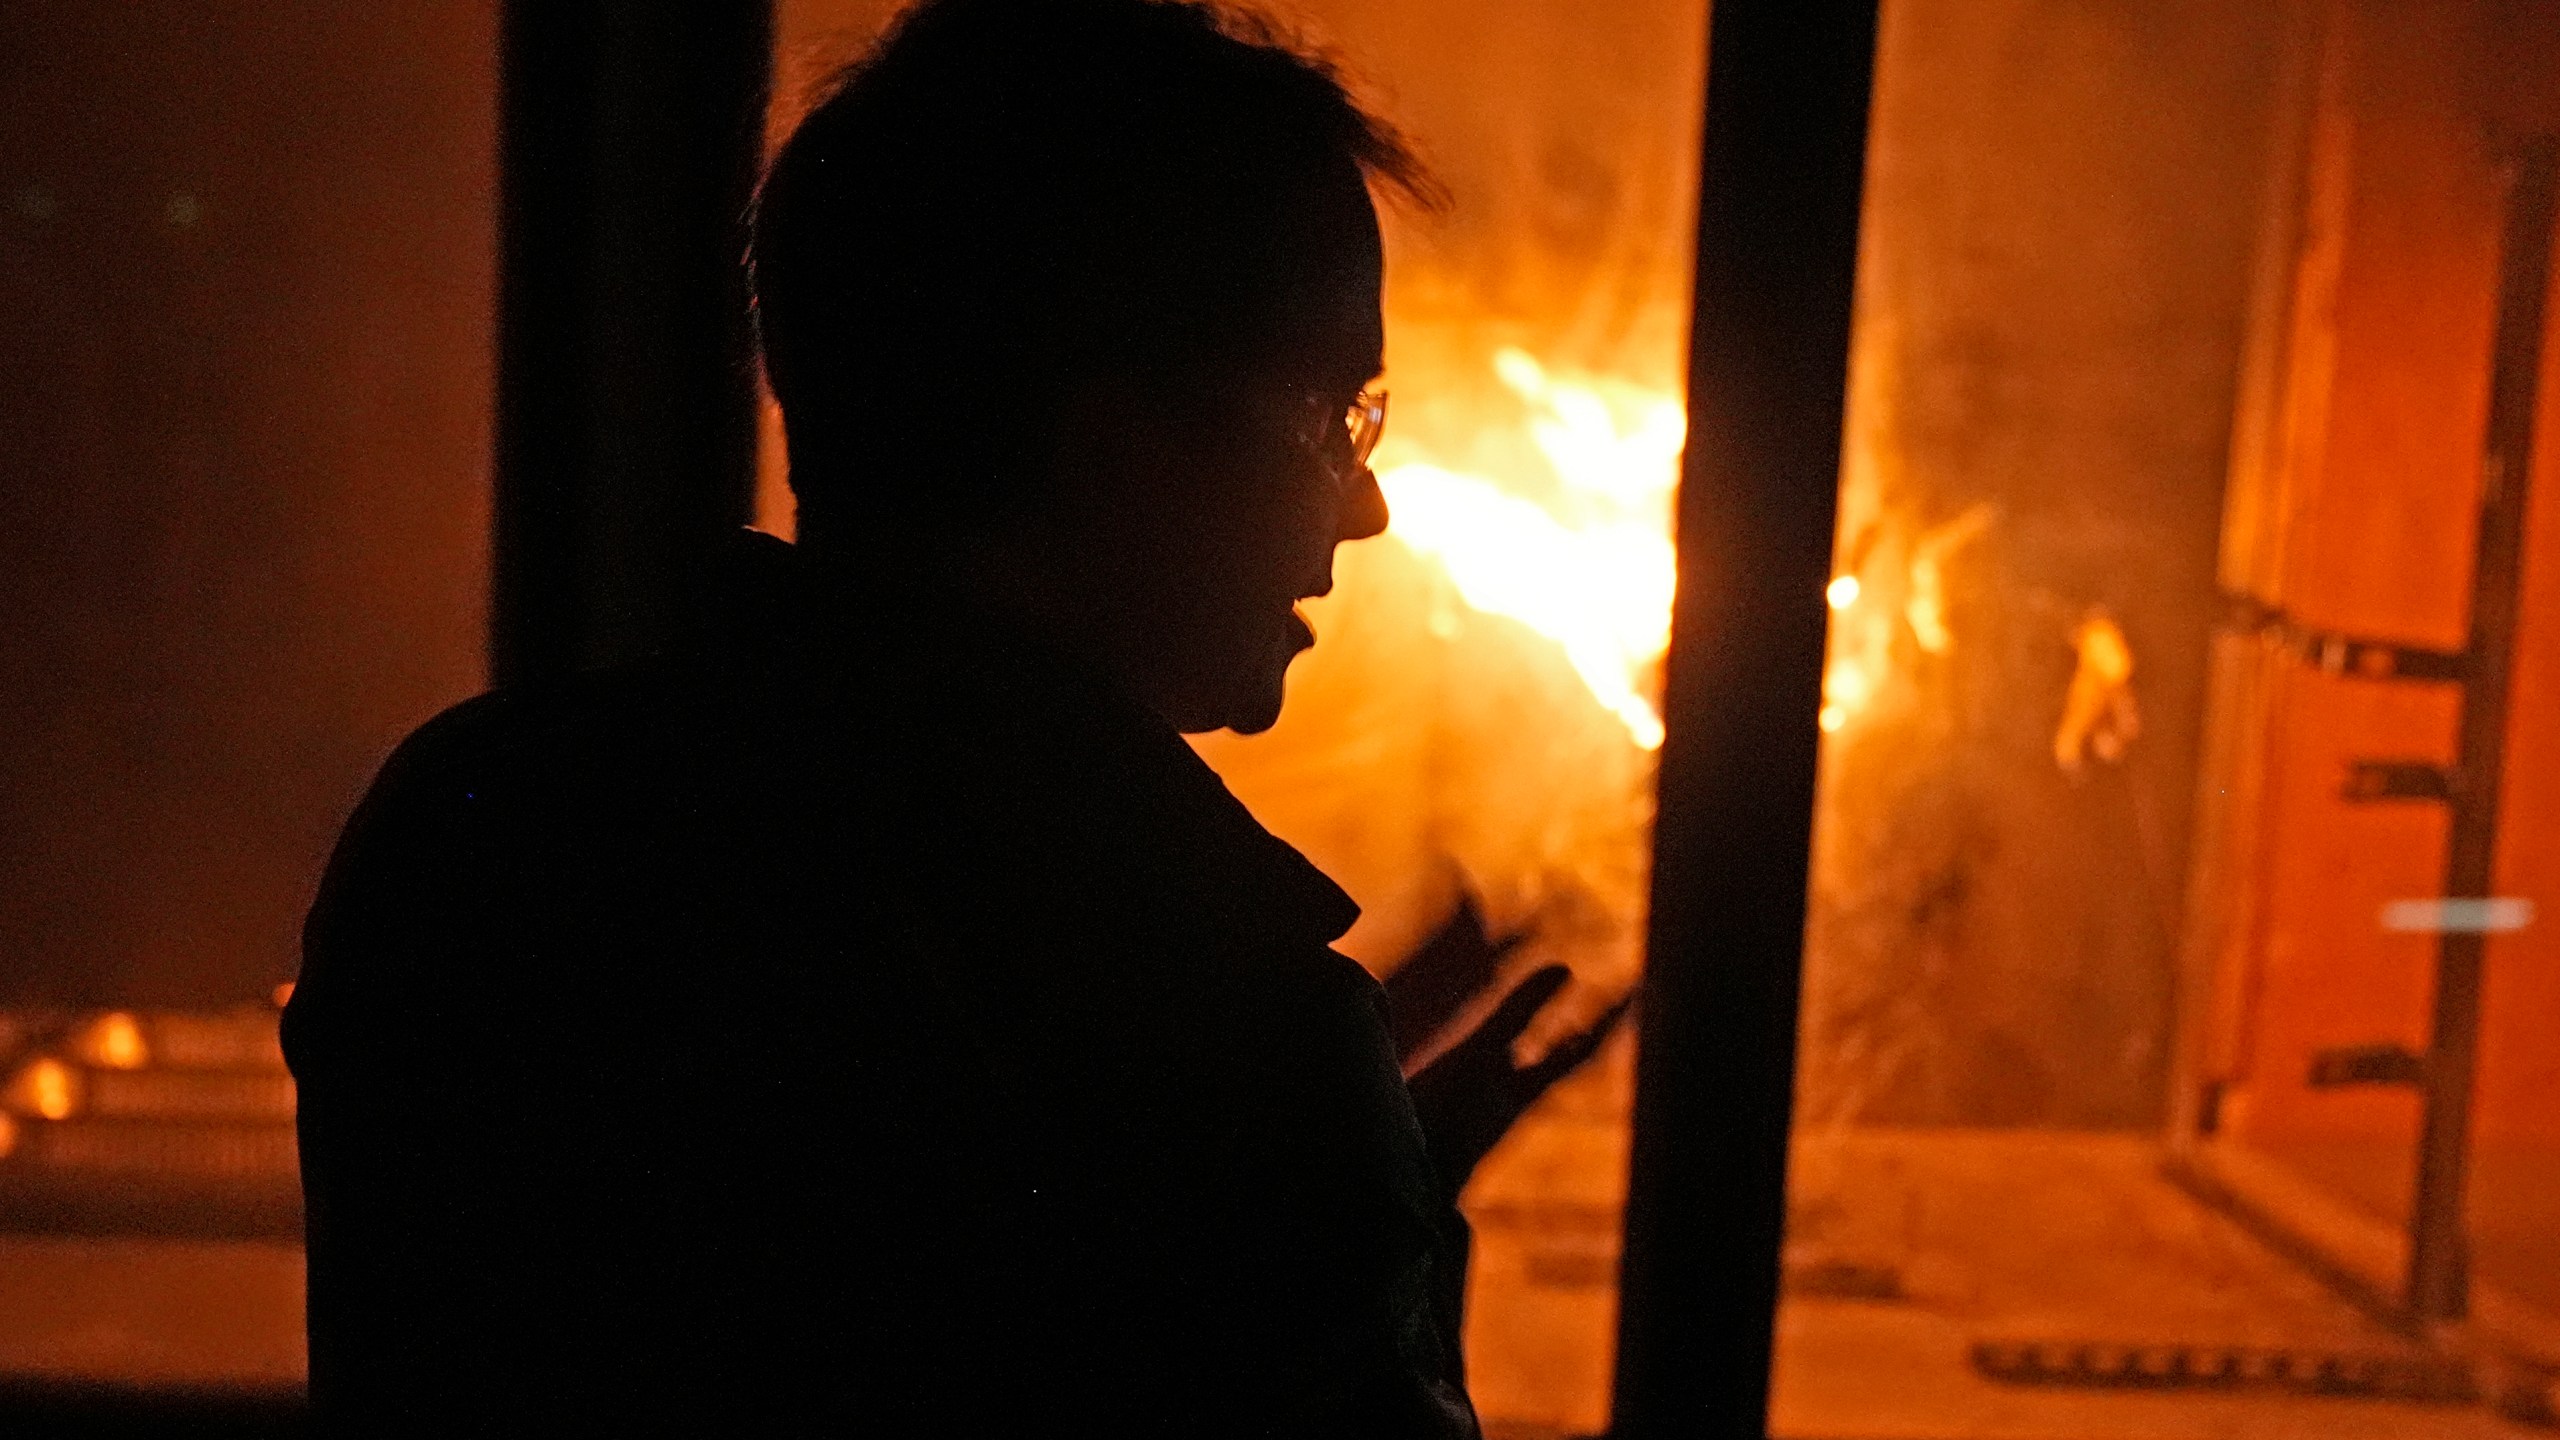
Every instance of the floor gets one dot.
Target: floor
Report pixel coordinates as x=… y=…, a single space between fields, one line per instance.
x=2514 y=1194
x=1910 y=1249
x=150 y=1311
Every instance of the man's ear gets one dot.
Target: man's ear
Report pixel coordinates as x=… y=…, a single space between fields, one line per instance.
x=1117 y=441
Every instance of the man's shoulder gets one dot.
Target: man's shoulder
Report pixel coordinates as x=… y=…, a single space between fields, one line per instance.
x=625 y=731
x=652 y=787
x=530 y=724
x=714 y=687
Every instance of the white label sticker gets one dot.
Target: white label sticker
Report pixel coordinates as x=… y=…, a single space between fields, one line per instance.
x=2493 y=915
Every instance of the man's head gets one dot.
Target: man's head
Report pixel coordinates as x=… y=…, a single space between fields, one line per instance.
x=1072 y=295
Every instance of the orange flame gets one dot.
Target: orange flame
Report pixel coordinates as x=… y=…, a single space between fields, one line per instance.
x=2099 y=716
x=1588 y=564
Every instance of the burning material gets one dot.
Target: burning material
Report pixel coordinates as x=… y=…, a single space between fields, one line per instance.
x=1968 y=685
x=2098 y=714
x=1481 y=716
x=1926 y=609
x=1585 y=559
x=1869 y=631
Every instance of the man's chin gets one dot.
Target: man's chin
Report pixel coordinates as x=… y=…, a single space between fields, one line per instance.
x=1258 y=709
x=1247 y=698
x=1254 y=691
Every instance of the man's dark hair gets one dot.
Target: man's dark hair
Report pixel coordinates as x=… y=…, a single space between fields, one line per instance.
x=1003 y=194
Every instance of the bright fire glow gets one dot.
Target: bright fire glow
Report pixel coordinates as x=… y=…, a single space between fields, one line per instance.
x=1846 y=688
x=1848 y=681
x=1589 y=563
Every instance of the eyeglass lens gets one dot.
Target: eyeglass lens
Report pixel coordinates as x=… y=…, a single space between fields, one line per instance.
x=1366 y=420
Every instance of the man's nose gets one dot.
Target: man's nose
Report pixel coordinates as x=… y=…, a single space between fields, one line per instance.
x=1364 y=507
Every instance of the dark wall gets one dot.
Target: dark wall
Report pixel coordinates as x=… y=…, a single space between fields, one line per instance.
x=245 y=280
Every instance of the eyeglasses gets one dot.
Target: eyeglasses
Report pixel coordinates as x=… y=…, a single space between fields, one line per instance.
x=1355 y=429
x=1366 y=419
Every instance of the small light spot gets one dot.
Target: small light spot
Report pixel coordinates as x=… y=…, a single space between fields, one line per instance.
x=115 y=1042
x=35 y=202
x=46 y=1088
x=1842 y=591
x=183 y=210
x=1831 y=719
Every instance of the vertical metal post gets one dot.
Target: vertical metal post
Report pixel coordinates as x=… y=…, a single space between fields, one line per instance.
x=1783 y=167
x=2439 y=1250
x=630 y=140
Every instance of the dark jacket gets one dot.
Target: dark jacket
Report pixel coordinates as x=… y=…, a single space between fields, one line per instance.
x=861 y=1022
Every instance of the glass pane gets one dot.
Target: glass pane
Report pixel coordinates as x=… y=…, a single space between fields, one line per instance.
x=2161 y=541
x=2059 y=741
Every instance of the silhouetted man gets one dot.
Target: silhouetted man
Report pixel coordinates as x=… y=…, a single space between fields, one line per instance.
x=870 y=1017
